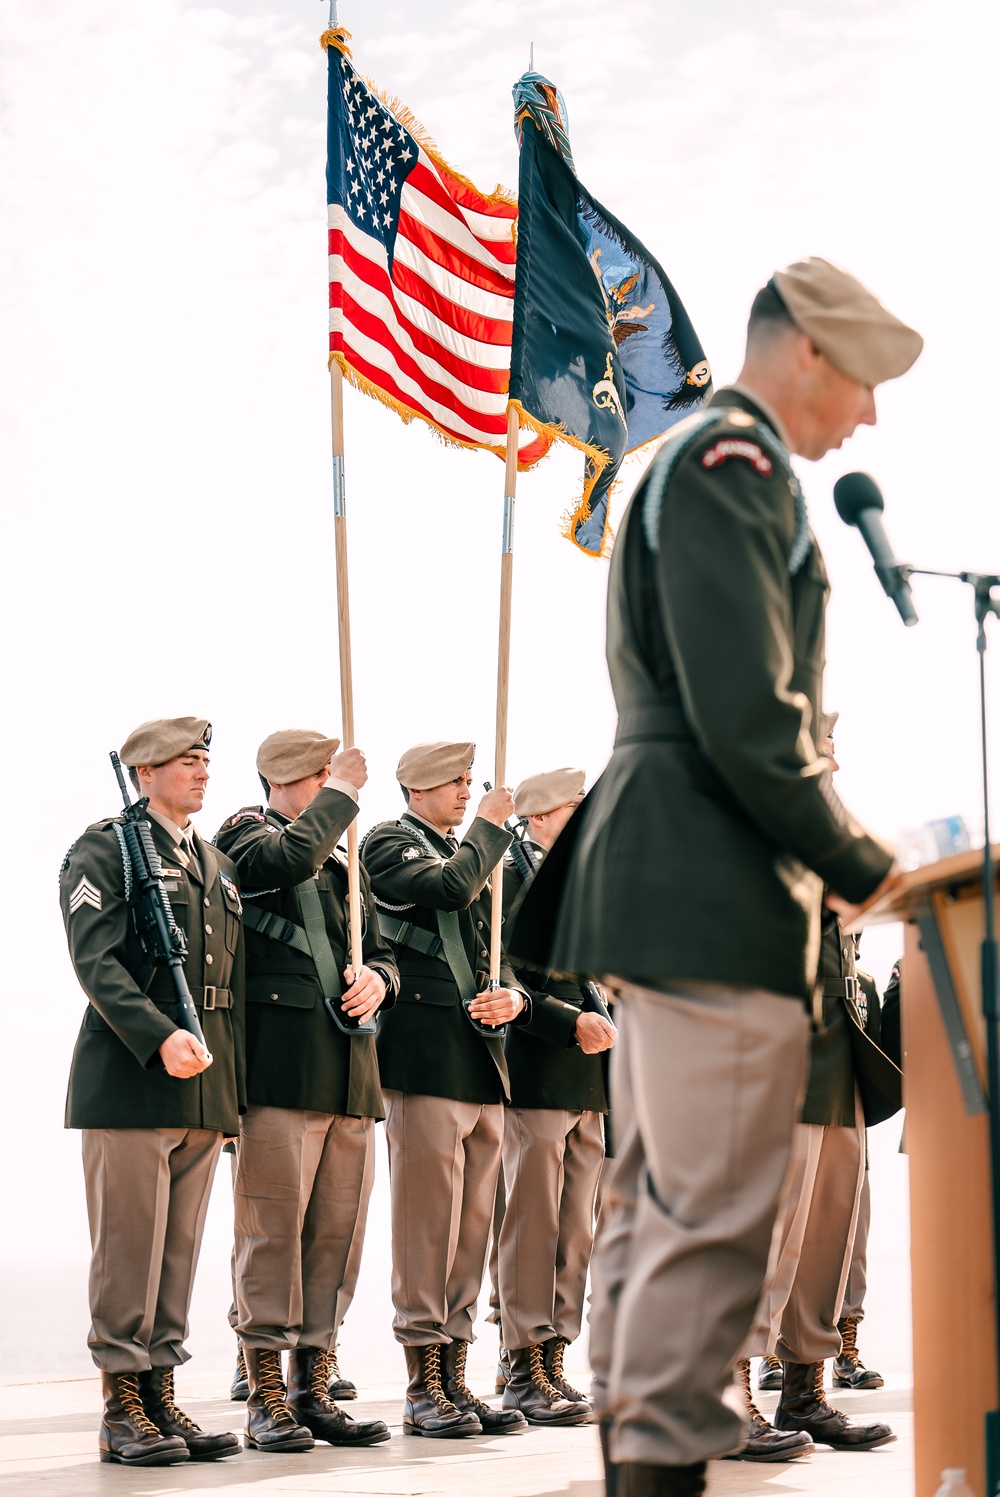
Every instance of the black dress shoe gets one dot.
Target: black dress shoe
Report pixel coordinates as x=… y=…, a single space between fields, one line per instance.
x=763 y=1442
x=339 y=1389
x=128 y=1436
x=494 y=1421
x=428 y=1410
x=307 y=1398
x=803 y=1406
x=769 y=1375
x=848 y=1370
x=156 y=1388
x=239 y=1388
x=271 y=1425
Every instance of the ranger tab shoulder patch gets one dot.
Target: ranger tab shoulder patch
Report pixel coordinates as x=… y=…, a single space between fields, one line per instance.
x=246 y=816
x=748 y=452
x=85 y=893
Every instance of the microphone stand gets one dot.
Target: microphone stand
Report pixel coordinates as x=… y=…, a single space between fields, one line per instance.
x=985 y=603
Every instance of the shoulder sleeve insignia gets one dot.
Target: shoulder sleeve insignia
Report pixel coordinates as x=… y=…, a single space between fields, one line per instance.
x=245 y=816
x=411 y=852
x=84 y=893
x=748 y=452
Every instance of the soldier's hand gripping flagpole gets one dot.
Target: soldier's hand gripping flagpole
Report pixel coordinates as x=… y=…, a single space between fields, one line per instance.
x=344 y=642
x=503 y=674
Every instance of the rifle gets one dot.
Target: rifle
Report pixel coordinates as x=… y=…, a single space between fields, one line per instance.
x=163 y=941
x=527 y=866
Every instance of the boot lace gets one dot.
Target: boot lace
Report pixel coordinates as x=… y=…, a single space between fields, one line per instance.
x=849 y=1341
x=753 y=1412
x=173 y=1413
x=539 y=1373
x=432 y=1379
x=333 y=1364
x=319 y=1379
x=772 y=1362
x=819 y=1391
x=469 y=1399
x=557 y=1374
x=271 y=1387
x=131 y=1401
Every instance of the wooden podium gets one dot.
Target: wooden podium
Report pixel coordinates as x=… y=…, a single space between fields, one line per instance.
x=947 y=1140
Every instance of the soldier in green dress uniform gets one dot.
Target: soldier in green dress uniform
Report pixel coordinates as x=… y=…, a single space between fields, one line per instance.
x=306 y=1154
x=444 y=1075
x=692 y=876
x=153 y=1106
x=553 y=1148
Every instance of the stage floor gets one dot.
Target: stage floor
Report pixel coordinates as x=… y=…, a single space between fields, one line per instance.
x=48 y=1448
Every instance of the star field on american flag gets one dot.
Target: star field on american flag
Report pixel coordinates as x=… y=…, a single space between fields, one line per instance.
x=379 y=154
x=421 y=272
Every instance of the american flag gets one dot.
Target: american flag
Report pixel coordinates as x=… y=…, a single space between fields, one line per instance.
x=421 y=271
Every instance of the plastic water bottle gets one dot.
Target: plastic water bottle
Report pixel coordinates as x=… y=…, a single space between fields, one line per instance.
x=953 y=1483
x=935 y=839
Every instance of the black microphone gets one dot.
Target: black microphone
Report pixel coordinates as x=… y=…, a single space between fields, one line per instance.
x=859 y=502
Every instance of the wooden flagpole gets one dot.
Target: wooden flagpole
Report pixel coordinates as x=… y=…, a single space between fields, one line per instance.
x=344 y=639
x=503 y=674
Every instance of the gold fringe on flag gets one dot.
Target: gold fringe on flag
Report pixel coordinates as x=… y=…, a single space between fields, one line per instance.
x=337 y=37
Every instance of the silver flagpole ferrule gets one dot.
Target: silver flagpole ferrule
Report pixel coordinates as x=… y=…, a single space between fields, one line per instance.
x=508 y=523
x=339 y=496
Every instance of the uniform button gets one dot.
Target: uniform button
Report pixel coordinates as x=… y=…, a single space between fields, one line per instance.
x=207 y=903
x=845 y=950
x=482 y=953
x=208 y=929
x=274 y=997
x=209 y=958
x=416 y=997
x=479 y=925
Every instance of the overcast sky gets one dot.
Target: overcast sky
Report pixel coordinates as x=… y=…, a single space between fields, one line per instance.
x=165 y=425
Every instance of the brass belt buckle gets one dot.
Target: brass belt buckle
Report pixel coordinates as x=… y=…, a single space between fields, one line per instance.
x=209 y=1002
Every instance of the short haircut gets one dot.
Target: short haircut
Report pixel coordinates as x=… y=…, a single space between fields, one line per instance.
x=769 y=313
x=133 y=775
x=406 y=794
x=267 y=788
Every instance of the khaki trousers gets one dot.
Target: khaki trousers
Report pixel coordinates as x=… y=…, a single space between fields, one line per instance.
x=147 y=1196
x=551 y=1164
x=443 y=1162
x=706 y=1082
x=813 y=1242
x=303 y=1182
x=857 y=1278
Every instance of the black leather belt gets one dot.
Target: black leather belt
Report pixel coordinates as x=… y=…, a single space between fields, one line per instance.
x=656 y=723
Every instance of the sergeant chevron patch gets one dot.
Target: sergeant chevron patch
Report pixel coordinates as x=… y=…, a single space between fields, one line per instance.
x=84 y=893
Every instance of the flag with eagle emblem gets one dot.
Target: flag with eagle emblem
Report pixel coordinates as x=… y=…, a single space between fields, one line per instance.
x=604 y=355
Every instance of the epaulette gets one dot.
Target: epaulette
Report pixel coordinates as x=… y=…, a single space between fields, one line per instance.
x=758 y=446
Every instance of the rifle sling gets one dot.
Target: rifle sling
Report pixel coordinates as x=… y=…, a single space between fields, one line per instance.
x=313 y=941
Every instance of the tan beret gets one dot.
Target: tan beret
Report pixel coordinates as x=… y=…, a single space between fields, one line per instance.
x=846 y=322
x=429 y=764
x=544 y=792
x=827 y=723
x=294 y=753
x=165 y=738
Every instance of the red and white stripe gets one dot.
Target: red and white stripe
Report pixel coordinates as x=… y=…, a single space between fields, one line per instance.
x=435 y=335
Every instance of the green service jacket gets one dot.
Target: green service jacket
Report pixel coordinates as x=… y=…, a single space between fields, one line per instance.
x=117 y=1079
x=702 y=851
x=830 y=1095
x=547 y=1068
x=427 y=1045
x=296 y=1055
